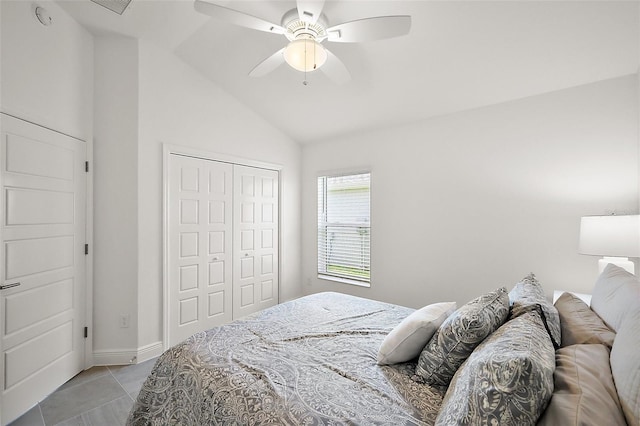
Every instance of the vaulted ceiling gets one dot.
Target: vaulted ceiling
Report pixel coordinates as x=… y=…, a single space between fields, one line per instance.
x=459 y=55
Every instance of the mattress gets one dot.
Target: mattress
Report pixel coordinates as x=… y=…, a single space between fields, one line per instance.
x=310 y=361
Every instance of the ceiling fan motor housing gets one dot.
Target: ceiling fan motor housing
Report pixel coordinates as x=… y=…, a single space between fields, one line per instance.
x=299 y=29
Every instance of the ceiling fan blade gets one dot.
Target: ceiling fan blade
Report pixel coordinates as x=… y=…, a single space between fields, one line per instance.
x=269 y=64
x=238 y=18
x=335 y=69
x=309 y=10
x=370 y=29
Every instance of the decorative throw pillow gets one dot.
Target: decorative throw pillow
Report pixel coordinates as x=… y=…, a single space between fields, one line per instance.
x=408 y=338
x=528 y=295
x=579 y=324
x=625 y=366
x=507 y=380
x=616 y=293
x=584 y=392
x=458 y=336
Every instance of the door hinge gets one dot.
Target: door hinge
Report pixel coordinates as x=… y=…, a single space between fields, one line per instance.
x=86 y=166
x=86 y=249
x=86 y=332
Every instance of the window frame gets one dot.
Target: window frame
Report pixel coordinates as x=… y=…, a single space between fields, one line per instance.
x=322 y=222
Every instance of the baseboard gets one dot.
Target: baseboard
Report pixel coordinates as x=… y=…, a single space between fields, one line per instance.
x=125 y=357
x=114 y=357
x=150 y=351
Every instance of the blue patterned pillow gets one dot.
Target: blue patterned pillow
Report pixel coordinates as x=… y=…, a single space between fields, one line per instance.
x=507 y=380
x=528 y=295
x=459 y=335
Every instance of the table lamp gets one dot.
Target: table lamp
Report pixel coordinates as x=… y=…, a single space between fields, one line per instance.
x=616 y=237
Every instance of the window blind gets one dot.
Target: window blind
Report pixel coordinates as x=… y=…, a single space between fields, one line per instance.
x=344 y=226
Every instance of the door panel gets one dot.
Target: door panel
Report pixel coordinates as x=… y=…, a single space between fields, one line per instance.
x=267 y=291
x=29 y=156
x=58 y=342
x=255 y=240
x=200 y=241
x=36 y=207
x=42 y=216
x=32 y=306
x=36 y=255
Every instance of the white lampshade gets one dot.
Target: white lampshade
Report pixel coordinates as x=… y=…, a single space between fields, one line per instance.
x=305 y=55
x=610 y=235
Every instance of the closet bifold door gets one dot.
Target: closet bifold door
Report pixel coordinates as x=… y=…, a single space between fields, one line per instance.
x=255 y=239
x=200 y=245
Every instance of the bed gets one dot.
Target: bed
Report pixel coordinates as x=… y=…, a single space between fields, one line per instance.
x=310 y=361
x=315 y=361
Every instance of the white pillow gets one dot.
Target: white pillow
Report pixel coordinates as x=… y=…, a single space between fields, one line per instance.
x=407 y=339
x=616 y=293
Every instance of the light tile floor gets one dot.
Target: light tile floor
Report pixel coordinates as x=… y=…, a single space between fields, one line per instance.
x=98 y=396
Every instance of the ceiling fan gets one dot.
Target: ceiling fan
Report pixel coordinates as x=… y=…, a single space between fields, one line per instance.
x=306 y=28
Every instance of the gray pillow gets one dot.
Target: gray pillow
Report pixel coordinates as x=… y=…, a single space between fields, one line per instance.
x=458 y=336
x=584 y=391
x=528 y=295
x=507 y=380
x=580 y=324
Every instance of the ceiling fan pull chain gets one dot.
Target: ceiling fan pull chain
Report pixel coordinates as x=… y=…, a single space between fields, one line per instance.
x=315 y=65
x=305 y=82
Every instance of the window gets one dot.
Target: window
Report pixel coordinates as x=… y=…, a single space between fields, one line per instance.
x=344 y=228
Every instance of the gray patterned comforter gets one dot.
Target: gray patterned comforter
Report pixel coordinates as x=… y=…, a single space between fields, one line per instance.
x=311 y=361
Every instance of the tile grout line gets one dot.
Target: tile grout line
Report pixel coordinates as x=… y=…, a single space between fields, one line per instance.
x=79 y=384
x=44 y=422
x=85 y=412
x=41 y=415
x=120 y=384
x=39 y=404
x=99 y=406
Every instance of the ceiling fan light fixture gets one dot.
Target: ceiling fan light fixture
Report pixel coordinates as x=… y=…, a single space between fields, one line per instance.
x=305 y=55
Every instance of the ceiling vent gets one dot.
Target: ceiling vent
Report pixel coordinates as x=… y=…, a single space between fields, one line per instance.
x=117 y=6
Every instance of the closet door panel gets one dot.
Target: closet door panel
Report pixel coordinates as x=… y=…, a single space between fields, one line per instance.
x=255 y=283
x=200 y=245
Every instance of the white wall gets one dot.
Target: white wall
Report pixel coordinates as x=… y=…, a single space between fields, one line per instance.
x=146 y=97
x=180 y=107
x=47 y=72
x=47 y=79
x=465 y=203
x=115 y=169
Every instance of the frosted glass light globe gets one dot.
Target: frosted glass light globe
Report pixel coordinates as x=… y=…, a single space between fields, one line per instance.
x=305 y=55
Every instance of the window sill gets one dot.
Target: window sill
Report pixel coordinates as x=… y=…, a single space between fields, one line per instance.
x=344 y=280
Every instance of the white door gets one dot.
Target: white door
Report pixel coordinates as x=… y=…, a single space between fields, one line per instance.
x=255 y=276
x=42 y=303
x=200 y=240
